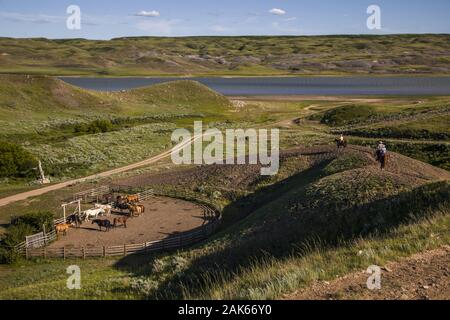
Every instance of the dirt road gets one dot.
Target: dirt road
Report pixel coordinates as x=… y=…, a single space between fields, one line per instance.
x=41 y=191
x=424 y=276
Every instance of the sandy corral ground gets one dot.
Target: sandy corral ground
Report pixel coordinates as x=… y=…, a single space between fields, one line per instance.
x=163 y=217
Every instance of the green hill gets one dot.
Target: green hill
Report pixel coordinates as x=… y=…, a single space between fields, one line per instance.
x=28 y=96
x=72 y=130
x=326 y=214
x=320 y=196
x=387 y=54
x=418 y=128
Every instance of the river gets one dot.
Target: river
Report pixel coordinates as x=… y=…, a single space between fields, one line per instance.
x=335 y=86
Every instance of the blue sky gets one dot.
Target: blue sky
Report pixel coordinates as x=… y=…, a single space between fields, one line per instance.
x=103 y=19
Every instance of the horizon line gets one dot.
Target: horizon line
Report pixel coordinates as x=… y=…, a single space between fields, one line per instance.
x=236 y=36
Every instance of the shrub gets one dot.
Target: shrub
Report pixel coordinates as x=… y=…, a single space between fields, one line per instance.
x=143 y=286
x=16 y=234
x=23 y=226
x=97 y=126
x=36 y=221
x=15 y=161
x=348 y=115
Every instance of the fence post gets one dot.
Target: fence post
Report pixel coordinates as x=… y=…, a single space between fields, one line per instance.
x=124 y=249
x=64 y=253
x=45 y=234
x=84 y=253
x=26 y=251
x=104 y=251
x=45 y=252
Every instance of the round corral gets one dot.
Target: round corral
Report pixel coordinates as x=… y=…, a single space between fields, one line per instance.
x=163 y=217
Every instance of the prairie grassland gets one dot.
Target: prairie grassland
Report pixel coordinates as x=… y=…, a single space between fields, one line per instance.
x=266 y=278
x=99 y=152
x=319 y=218
x=221 y=56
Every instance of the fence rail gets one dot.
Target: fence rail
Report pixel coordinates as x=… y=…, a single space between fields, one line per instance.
x=175 y=242
x=146 y=195
x=91 y=194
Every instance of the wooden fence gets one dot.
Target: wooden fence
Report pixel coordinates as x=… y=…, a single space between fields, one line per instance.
x=179 y=241
x=37 y=241
x=92 y=194
x=146 y=195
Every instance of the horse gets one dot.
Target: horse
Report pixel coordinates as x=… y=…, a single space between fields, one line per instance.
x=93 y=213
x=382 y=158
x=120 y=205
x=75 y=219
x=121 y=220
x=106 y=207
x=132 y=198
x=62 y=228
x=136 y=210
x=341 y=143
x=103 y=223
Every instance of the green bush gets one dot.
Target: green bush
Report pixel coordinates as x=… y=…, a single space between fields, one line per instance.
x=20 y=228
x=15 y=161
x=97 y=126
x=17 y=233
x=36 y=220
x=348 y=115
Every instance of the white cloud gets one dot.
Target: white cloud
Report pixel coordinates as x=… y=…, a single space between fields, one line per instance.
x=150 y=14
x=290 y=19
x=277 y=12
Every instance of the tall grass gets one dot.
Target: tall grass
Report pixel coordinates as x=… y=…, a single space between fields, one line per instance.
x=271 y=278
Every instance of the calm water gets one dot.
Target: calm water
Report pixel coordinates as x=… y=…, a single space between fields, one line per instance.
x=288 y=86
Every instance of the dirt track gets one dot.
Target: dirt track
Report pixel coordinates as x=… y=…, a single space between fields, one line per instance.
x=421 y=277
x=41 y=191
x=163 y=217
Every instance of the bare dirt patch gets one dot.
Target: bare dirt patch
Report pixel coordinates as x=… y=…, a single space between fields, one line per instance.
x=421 y=277
x=163 y=217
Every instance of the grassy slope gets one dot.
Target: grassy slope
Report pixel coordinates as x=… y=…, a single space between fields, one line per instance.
x=333 y=200
x=418 y=129
x=391 y=54
x=270 y=252
x=40 y=113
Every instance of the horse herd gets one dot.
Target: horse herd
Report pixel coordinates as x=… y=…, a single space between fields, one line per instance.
x=126 y=206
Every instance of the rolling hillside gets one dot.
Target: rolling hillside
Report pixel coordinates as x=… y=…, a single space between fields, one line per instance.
x=390 y=54
x=327 y=214
x=76 y=131
x=321 y=198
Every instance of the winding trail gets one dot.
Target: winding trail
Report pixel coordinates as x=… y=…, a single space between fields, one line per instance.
x=41 y=191
x=287 y=123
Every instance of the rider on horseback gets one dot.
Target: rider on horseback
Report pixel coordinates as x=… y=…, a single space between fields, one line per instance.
x=381 y=150
x=341 y=143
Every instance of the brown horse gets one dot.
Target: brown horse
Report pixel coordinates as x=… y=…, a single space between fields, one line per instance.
x=133 y=198
x=136 y=210
x=62 y=228
x=382 y=158
x=121 y=220
x=341 y=144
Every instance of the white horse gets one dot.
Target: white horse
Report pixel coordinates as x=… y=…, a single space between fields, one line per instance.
x=106 y=207
x=92 y=213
